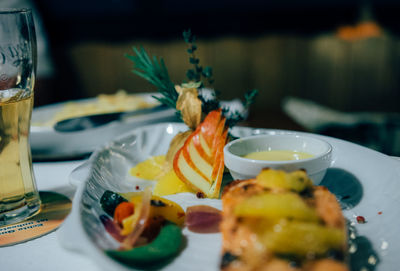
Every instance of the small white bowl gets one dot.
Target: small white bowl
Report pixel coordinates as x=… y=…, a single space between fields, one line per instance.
x=242 y=168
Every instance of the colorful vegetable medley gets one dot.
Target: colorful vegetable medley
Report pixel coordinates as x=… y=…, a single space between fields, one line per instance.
x=149 y=228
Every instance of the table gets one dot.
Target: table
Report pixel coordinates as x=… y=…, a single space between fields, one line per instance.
x=46 y=253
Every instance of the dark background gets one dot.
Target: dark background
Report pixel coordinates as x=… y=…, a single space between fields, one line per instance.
x=313 y=50
x=294 y=27
x=344 y=55
x=72 y=21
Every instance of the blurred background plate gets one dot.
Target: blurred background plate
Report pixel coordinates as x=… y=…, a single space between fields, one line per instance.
x=48 y=144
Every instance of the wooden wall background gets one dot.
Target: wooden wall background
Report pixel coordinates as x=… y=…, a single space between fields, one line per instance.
x=351 y=76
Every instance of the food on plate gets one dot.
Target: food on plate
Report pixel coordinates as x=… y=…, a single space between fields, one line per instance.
x=103 y=103
x=203 y=219
x=195 y=164
x=280 y=221
x=194 y=161
x=165 y=246
x=147 y=227
x=278 y=155
x=110 y=200
x=196 y=155
x=149 y=169
x=200 y=161
x=167 y=183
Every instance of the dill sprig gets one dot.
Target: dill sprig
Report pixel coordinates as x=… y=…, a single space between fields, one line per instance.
x=198 y=71
x=155 y=72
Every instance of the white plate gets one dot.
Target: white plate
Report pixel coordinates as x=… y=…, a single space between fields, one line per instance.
x=366 y=179
x=46 y=143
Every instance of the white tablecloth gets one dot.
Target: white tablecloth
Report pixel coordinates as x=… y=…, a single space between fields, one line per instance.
x=46 y=253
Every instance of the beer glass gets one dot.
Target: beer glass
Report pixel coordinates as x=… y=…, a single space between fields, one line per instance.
x=19 y=198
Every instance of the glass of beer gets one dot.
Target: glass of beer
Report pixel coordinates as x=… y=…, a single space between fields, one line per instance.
x=19 y=197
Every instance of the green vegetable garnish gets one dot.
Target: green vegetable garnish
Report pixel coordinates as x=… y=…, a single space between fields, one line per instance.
x=166 y=245
x=109 y=201
x=155 y=72
x=198 y=72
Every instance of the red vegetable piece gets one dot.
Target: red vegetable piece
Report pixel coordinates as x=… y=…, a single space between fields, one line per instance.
x=112 y=228
x=122 y=211
x=203 y=219
x=361 y=219
x=139 y=225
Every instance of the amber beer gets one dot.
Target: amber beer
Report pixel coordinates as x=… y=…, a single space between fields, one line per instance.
x=19 y=198
x=18 y=193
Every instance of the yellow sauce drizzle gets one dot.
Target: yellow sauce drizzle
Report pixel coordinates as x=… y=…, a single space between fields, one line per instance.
x=167 y=182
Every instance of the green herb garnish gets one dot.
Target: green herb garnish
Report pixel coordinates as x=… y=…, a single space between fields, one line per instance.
x=198 y=71
x=156 y=73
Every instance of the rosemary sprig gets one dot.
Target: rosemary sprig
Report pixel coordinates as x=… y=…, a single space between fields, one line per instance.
x=198 y=71
x=156 y=73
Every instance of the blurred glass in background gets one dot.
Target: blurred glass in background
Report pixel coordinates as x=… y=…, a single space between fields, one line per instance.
x=45 y=68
